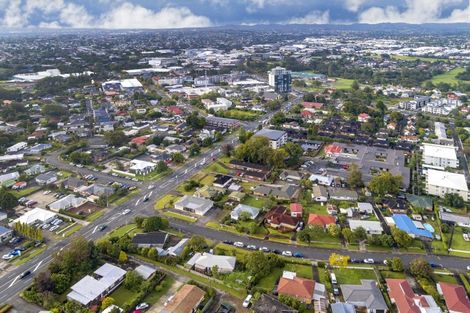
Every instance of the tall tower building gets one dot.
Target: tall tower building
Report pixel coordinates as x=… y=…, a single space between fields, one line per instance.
x=280 y=79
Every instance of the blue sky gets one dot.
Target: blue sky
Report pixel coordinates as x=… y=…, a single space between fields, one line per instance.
x=202 y=13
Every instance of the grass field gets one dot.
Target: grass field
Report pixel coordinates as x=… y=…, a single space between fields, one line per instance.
x=444 y=278
x=160 y=290
x=304 y=271
x=125 y=229
x=215 y=167
x=267 y=283
x=164 y=201
x=122 y=295
x=94 y=216
x=71 y=230
x=342 y=83
x=122 y=200
x=414 y=58
x=458 y=243
x=448 y=77
x=257 y=202
x=188 y=219
x=390 y=274
x=25 y=192
x=239 y=114
x=353 y=276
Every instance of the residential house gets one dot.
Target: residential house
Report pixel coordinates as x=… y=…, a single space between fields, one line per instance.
x=270 y=304
x=205 y=262
x=320 y=220
x=244 y=209
x=96 y=190
x=195 y=205
x=365 y=208
x=319 y=193
x=363 y=117
x=395 y=205
x=73 y=183
x=35 y=169
x=67 y=202
x=177 y=249
x=304 y=290
x=320 y=179
x=412 y=228
x=222 y=181
x=366 y=295
x=141 y=167
x=46 y=178
x=291 y=176
x=371 y=227
x=451 y=218
x=342 y=194
x=91 y=289
x=279 y=218
x=156 y=239
x=186 y=300
x=455 y=296
x=296 y=209
x=407 y=301
x=145 y=271
x=250 y=171
x=440 y=183
x=283 y=192
x=340 y=307
x=277 y=138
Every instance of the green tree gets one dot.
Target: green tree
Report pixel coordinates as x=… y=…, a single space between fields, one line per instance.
x=7 y=200
x=177 y=157
x=401 y=238
x=347 y=235
x=122 y=257
x=294 y=152
x=133 y=280
x=194 y=150
x=61 y=282
x=196 y=121
x=108 y=301
x=354 y=176
x=420 y=268
x=454 y=200
x=116 y=138
x=385 y=183
x=161 y=167
x=154 y=223
x=396 y=264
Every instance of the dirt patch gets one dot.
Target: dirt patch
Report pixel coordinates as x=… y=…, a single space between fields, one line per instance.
x=236 y=303
x=85 y=209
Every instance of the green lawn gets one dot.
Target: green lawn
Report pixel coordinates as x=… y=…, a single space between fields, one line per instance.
x=353 y=276
x=160 y=290
x=267 y=283
x=165 y=201
x=448 y=77
x=153 y=175
x=304 y=271
x=458 y=243
x=239 y=114
x=390 y=274
x=260 y=233
x=71 y=230
x=182 y=217
x=444 y=278
x=315 y=209
x=414 y=58
x=122 y=295
x=94 y=216
x=257 y=202
x=25 y=192
x=125 y=229
x=129 y=196
x=215 y=167
x=342 y=83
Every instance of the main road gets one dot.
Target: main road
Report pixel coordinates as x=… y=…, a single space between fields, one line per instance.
x=11 y=285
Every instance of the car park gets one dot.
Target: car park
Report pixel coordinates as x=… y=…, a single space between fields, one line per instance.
x=54 y=228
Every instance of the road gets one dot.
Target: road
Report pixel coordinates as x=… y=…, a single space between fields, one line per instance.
x=11 y=285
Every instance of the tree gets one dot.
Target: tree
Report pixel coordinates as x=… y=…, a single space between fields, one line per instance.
x=355 y=85
x=115 y=138
x=396 y=264
x=354 y=176
x=347 y=234
x=139 y=220
x=108 y=301
x=420 y=268
x=133 y=280
x=177 y=157
x=334 y=230
x=277 y=158
x=401 y=238
x=122 y=257
x=7 y=200
x=194 y=149
x=243 y=135
x=454 y=200
x=385 y=183
x=359 y=234
x=154 y=223
x=227 y=149
x=294 y=151
x=195 y=121
x=61 y=282
x=44 y=281
x=196 y=244
x=161 y=167
x=336 y=259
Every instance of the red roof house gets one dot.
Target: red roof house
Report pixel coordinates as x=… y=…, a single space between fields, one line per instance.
x=313 y=105
x=307 y=114
x=406 y=300
x=139 y=140
x=279 y=218
x=363 y=117
x=299 y=288
x=174 y=110
x=321 y=220
x=455 y=296
x=333 y=149
x=296 y=209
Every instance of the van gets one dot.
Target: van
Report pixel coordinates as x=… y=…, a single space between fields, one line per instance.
x=247 y=301
x=333 y=278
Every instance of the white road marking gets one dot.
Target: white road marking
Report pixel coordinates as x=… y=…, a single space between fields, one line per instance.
x=95 y=229
x=150 y=194
x=137 y=202
x=37 y=266
x=14 y=280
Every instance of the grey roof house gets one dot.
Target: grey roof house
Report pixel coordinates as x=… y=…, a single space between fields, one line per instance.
x=152 y=239
x=196 y=205
x=46 y=178
x=366 y=295
x=242 y=208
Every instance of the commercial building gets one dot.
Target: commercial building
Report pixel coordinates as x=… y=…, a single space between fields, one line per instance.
x=92 y=288
x=440 y=155
x=36 y=215
x=440 y=183
x=280 y=79
x=277 y=138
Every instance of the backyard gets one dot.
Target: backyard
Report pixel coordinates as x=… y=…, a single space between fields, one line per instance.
x=353 y=276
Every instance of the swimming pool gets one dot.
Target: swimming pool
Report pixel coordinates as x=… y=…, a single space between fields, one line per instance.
x=429 y=227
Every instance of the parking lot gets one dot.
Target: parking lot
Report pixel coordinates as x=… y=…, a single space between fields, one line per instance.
x=41 y=199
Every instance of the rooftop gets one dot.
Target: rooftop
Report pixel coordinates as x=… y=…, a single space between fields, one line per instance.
x=446 y=179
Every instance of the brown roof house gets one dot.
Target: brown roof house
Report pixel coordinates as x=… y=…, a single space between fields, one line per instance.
x=186 y=300
x=280 y=218
x=305 y=290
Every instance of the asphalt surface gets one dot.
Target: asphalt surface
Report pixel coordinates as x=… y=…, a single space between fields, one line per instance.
x=11 y=285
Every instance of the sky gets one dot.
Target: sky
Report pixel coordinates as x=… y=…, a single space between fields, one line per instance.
x=156 y=14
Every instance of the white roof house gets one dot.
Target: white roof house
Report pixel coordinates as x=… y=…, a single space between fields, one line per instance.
x=440 y=183
x=36 y=215
x=195 y=205
x=371 y=227
x=131 y=83
x=365 y=207
x=140 y=166
x=440 y=155
x=206 y=261
x=252 y=211
x=9 y=176
x=89 y=288
x=67 y=202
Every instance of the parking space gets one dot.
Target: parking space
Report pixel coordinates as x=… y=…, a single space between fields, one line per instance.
x=40 y=199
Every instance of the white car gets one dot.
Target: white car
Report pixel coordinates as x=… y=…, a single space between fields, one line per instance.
x=468 y=268
x=251 y=247
x=238 y=244
x=126 y=211
x=369 y=261
x=286 y=253
x=7 y=257
x=264 y=249
x=53 y=228
x=142 y=306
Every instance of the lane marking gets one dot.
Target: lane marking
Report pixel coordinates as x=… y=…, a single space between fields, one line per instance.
x=37 y=266
x=14 y=280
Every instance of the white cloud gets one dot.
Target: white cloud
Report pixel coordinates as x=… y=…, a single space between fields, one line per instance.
x=256 y=5
x=354 y=5
x=134 y=16
x=59 y=13
x=416 y=12
x=314 y=17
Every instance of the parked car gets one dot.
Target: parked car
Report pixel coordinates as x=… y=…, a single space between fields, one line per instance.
x=228 y=242
x=251 y=247
x=239 y=244
x=54 y=228
x=286 y=253
x=436 y=265
x=142 y=306
x=298 y=255
x=369 y=261
x=276 y=251
x=264 y=249
x=247 y=301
